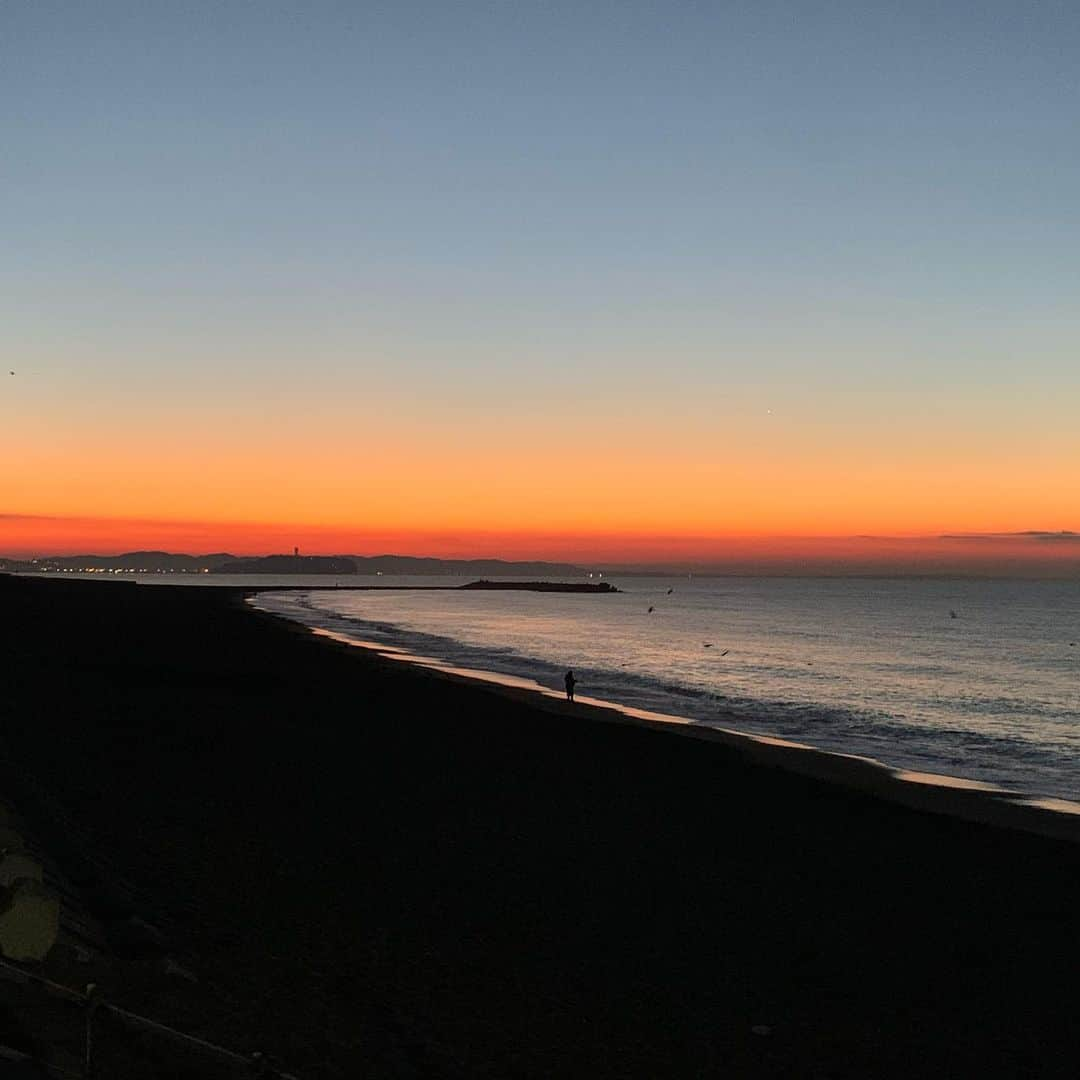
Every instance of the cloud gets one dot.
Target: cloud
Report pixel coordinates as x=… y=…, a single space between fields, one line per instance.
x=1036 y=536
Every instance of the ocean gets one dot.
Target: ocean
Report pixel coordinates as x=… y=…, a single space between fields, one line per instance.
x=978 y=680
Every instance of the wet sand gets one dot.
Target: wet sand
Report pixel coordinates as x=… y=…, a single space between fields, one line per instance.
x=377 y=870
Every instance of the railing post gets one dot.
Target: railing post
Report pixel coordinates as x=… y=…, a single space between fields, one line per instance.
x=92 y=1002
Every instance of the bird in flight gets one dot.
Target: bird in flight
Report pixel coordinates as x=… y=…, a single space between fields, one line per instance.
x=650 y=611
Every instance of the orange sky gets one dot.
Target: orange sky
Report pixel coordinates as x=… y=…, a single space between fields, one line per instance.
x=1037 y=555
x=614 y=486
x=640 y=461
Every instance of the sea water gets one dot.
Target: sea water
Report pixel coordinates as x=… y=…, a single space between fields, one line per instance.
x=971 y=679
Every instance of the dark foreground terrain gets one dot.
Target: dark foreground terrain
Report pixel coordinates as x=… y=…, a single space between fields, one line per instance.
x=376 y=872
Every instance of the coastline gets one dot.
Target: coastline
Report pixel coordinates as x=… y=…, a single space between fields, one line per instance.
x=969 y=800
x=376 y=869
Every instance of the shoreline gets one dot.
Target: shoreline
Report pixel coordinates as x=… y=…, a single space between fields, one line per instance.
x=970 y=800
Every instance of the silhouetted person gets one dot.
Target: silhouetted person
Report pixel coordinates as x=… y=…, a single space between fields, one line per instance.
x=570 y=682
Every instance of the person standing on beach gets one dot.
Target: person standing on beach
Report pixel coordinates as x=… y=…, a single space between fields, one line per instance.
x=570 y=681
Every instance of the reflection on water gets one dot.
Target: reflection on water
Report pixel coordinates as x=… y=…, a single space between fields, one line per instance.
x=1059 y=806
x=937 y=780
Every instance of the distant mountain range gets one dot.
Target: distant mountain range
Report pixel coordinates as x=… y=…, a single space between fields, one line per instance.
x=163 y=562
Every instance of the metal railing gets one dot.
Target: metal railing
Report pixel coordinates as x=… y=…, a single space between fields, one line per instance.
x=93 y=1005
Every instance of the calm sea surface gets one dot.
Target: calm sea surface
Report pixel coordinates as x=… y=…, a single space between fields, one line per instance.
x=975 y=679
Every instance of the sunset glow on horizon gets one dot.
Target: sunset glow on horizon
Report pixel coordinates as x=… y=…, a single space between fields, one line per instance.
x=630 y=284
x=1040 y=554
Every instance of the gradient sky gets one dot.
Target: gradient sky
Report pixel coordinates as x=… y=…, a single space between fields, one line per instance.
x=519 y=276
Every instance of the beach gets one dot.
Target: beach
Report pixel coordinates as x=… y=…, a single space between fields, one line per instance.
x=376 y=869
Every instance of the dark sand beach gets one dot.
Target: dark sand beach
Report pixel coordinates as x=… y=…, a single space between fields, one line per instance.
x=377 y=871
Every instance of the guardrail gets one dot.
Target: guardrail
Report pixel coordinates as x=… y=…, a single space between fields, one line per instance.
x=254 y=1065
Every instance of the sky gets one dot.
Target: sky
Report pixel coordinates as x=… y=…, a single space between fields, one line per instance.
x=638 y=280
